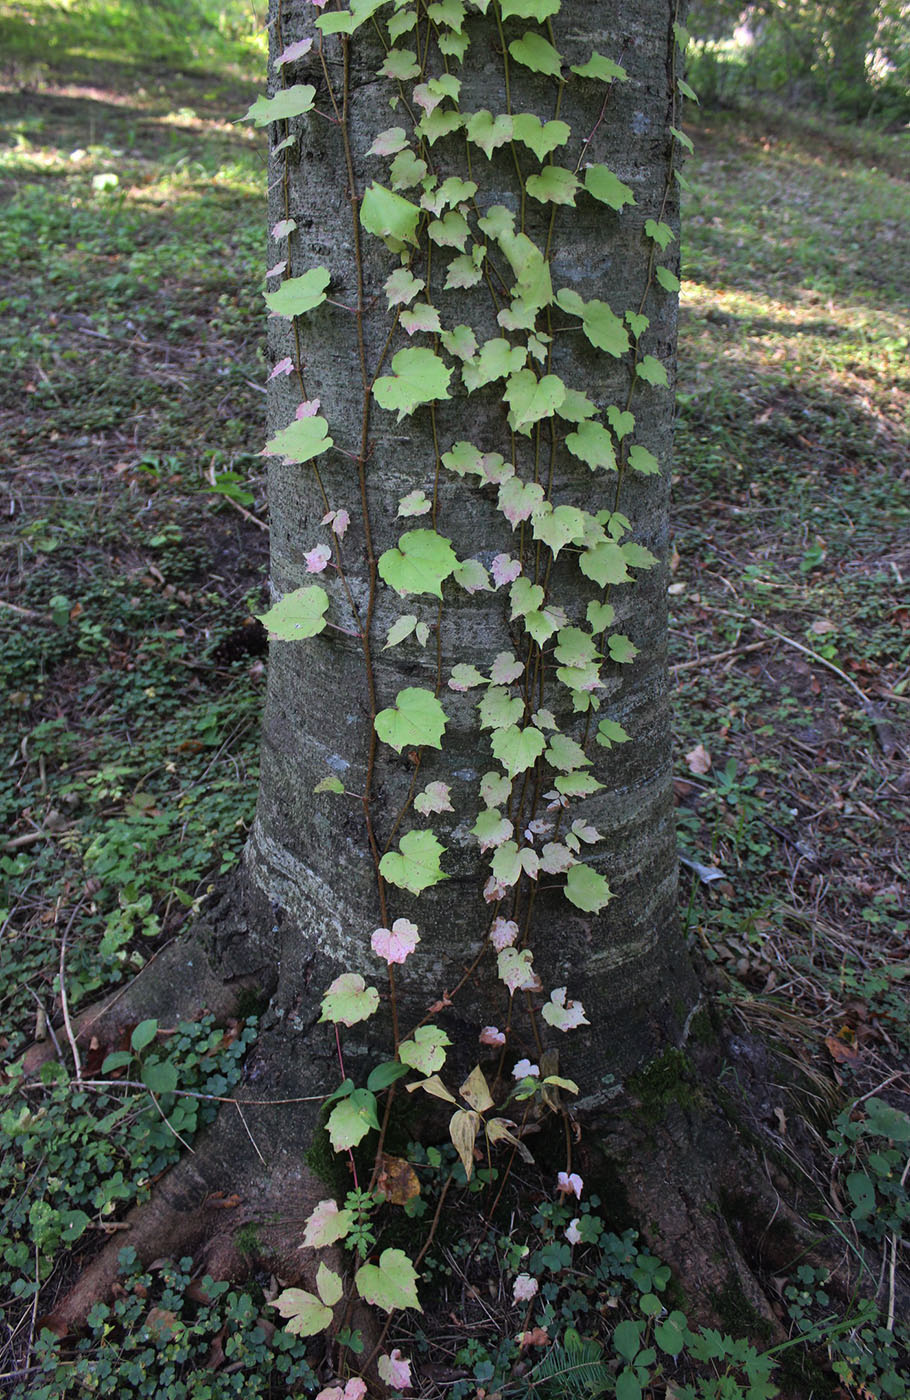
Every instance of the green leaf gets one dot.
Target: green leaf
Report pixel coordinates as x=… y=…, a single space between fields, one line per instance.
x=301 y=440
x=531 y=399
x=576 y=407
x=592 y=444
x=637 y=325
x=298 y=615
x=604 y=563
x=460 y=341
x=669 y=1335
x=418 y=376
x=686 y=90
x=473 y=577
x=75 y=1223
x=425 y=1051
x=524 y=597
x=389 y=216
x=641 y=460
x=602 y=184
x=349 y=1000
x=599 y=615
x=419 y=563
x=304 y=1314
x=602 y=68
x=351 y=1120
x=662 y=233
x=610 y=733
x=540 y=10
x=465 y=677
x=329 y=1285
x=440 y=122
x=565 y=754
x=620 y=420
x=489 y=132
x=539 y=137
x=415 y=865
x=576 y=784
x=400 y=64
x=390 y=1284
x=517 y=749
x=587 y=890
x=628 y=1386
x=447 y=12
x=416 y=719
x=682 y=138
x=385 y=1074
x=667 y=279
x=289 y=102
x=651 y=371
x=400 y=629
x=575 y=647
x=554 y=185
x=498 y=709
x=406 y=170
x=491 y=828
x=462 y=272
x=160 y=1076
x=118 y=1060
x=143 y=1035
x=558 y=527
x=329 y=784
x=451 y=231
x=495 y=360
x=346 y=22
x=534 y=52
x=299 y=294
x=627 y=1338
x=604 y=330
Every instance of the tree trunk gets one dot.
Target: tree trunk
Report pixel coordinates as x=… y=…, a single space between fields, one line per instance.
x=317 y=881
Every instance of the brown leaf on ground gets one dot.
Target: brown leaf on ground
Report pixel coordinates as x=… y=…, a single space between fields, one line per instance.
x=840 y=1051
x=698 y=760
x=397 y=1180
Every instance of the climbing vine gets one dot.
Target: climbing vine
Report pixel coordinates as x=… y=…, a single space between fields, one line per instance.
x=419 y=191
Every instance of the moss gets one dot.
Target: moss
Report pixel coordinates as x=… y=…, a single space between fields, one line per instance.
x=667 y=1081
x=702 y=1029
x=738 y=1315
x=248 y=1242
x=322 y=1159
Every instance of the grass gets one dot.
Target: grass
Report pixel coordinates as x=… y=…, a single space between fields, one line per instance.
x=132 y=247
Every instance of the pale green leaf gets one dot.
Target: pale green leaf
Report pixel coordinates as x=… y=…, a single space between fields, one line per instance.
x=576 y=407
x=565 y=754
x=495 y=360
x=298 y=615
x=576 y=784
x=541 y=625
x=682 y=138
x=328 y=1285
x=425 y=1052
x=621 y=649
x=462 y=272
x=349 y=1000
x=603 y=329
x=415 y=865
x=536 y=53
x=419 y=563
x=516 y=968
x=610 y=733
x=651 y=371
x=587 y=889
x=390 y=1284
x=351 y=1120
x=662 y=233
x=524 y=597
x=518 y=500
x=491 y=829
x=346 y=22
x=326 y=1225
x=602 y=68
x=299 y=294
x=489 y=132
x=517 y=749
x=621 y=421
x=530 y=399
x=439 y=122
x=329 y=784
x=686 y=91
x=495 y=789
x=637 y=324
x=472 y=577
x=498 y=708
x=540 y=137
x=604 y=563
x=301 y=440
x=465 y=677
x=451 y=231
x=602 y=184
x=304 y=1314
x=418 y=376
x=288 y=102
x=402 y=287
x=667 y=279
x=400 y=629
x=389 y=216
x=600 y=615
x=559 y=527
x=416 y=719
x=641 y=460
x=449 y=13
x=554 y=185
x=400 y=64
x=540 y=10
x=460 y=341
x=406 y=170
x=592 y=444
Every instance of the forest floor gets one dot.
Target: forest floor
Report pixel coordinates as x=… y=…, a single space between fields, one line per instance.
x=134 y=551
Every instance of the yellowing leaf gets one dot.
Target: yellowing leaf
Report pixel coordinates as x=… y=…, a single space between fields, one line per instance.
x=390 y=1284
x=303 y=1312
x=416 y=719
x=463 y=1126
x=425 y=1051
x=349 y=1000
x=415 y=865
x=298 y=615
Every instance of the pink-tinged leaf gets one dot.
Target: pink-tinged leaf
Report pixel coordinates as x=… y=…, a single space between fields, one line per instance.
x=698 y=760
x=395 y=1370
x=429 y=101
x=339 y=521
x=293 y=52
x=516 y=969
x=402 y=286
x=277 y=270
x=494 y=890
x=331 y=1392
x=537 y=827
x=491 y=1035
x=523 y=1069
x=573 y=1234
x=421 y=317
x=285 y=366
x=503 y=933
x=308 y=409
x=519 y=499
x=320 y=4
x=283 y=228
x=570 y=1183
x=389 y=142
x=494 y=470
x=434 y=798
x=414 y=503
x=564 y=1015
x=397 y=943
x=506 y=668
x=555 y=858
x=355 y=1389
x=524 y=1288
x=326 y=1225
x=505 y=569
x=317 y=559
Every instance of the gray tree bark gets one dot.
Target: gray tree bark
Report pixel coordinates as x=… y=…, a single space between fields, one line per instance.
x=310 y=857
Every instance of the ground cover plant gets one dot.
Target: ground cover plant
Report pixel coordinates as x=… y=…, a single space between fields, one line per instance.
x=133 y=557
